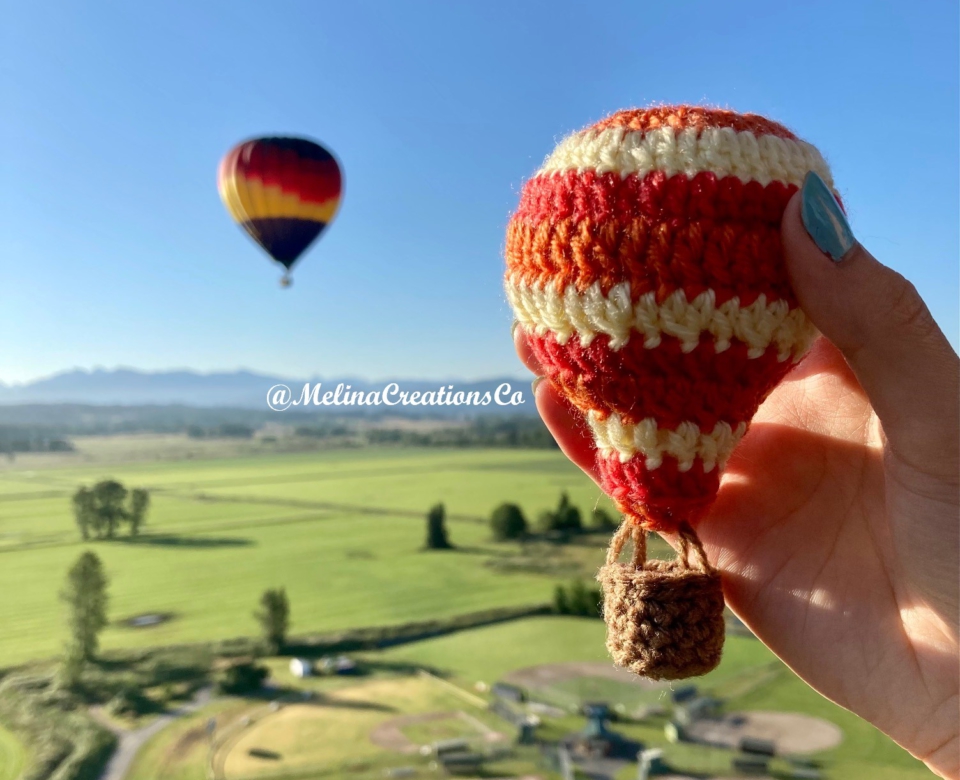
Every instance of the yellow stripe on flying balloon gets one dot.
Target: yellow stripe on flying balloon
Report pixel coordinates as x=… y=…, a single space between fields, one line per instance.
x=248 y=199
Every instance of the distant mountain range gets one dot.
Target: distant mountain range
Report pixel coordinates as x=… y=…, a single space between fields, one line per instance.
x=241 y=390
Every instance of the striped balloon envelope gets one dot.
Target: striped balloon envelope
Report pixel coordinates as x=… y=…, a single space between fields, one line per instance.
x=645 y=264
x=283 y=192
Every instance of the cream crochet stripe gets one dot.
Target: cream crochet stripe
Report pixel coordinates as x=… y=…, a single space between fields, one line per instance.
x=761 y=324
x=685 y=443
x=721 y=151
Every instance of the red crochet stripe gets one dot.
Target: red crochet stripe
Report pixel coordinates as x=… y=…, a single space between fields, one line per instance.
x=659 y=498
x=660 y=256
x=663 y=382
x=698 y=117
x=602 y=197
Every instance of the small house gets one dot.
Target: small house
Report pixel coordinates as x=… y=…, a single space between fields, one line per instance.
x=508 y=692
x=757 y=746
x=339 y=665
x=684 y=693
x=301 y=667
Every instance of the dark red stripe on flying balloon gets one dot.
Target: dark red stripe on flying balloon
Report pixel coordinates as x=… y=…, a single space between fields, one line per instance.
x=313 y=176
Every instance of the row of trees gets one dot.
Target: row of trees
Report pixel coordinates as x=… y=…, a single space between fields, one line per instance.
x=509 y=523
x=101 y=510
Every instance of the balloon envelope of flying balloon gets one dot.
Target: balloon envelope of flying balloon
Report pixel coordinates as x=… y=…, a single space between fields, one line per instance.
x=283 y=192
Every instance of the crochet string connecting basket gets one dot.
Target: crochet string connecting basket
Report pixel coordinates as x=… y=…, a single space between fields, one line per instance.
x=645 y=268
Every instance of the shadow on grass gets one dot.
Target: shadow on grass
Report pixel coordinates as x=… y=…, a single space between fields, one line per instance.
x=192 y=542
x=351 y=704
x=489 y=552
x=268 y=755
x=289 y=696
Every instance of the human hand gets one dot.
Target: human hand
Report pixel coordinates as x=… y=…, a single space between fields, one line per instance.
x=836 y=526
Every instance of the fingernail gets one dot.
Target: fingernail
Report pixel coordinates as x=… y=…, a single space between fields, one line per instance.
x=823 y=219
x=513 y=328
x=535 y=384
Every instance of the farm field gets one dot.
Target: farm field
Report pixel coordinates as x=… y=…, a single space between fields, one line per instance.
x=340 y=530
x=345 y=721
x=750 y=677
x=12 y=755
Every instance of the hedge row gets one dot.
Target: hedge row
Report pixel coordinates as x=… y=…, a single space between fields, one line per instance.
x=64 y=741
x=371 y=637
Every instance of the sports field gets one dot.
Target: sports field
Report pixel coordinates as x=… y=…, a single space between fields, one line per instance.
x=341 y=530
x=372 y=721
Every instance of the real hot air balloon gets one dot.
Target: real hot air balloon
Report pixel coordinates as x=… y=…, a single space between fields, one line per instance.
x=645 y=268
x=283 y=192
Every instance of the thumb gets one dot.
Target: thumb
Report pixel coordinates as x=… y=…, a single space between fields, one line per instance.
x=879 y=322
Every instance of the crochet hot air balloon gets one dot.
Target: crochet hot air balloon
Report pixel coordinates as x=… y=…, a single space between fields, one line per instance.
x=283 y=192
x=645 y=266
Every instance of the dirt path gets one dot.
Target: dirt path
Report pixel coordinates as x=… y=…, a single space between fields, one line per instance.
x=545 y=675
x=130 y=742
x=790 y=732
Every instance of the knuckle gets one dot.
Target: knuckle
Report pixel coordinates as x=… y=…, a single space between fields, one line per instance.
x=906 y=309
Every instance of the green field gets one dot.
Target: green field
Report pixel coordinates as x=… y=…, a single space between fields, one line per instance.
x=330 y=732
x=487 y=653
x=12 y=756
x=340 y=530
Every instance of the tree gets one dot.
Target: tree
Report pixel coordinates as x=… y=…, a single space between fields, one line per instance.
x=274 y=618
x=108 y=498
x=578 y=600
x=560 y=604
x=242 y=677
x=84 y=511
x=508 y=522
x=566 y=517
x=437 y=530
x=100 y=510
x=602 y=520
x=139 y=503
x=85 y=594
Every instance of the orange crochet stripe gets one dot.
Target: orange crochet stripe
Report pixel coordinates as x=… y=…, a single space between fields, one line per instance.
x=663 y=383
x=602 y=197
x=659 y=256
x=700 y=118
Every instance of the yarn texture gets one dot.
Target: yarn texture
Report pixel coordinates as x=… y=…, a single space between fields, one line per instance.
x=645 y=267
x=664 y=618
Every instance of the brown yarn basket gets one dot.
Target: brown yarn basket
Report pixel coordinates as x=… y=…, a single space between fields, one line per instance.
x=664 y=618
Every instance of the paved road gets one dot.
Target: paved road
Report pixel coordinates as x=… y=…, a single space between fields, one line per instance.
x=130 y=742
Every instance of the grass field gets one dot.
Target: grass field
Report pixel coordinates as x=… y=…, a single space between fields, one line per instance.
x=12 y=756
x=487 y=653
x=336 y=727
x=341 y=530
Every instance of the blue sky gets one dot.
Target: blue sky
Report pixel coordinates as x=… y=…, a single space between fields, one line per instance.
x=116 y=249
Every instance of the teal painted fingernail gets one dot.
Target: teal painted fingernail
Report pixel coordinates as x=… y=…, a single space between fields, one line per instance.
x=823 y=219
